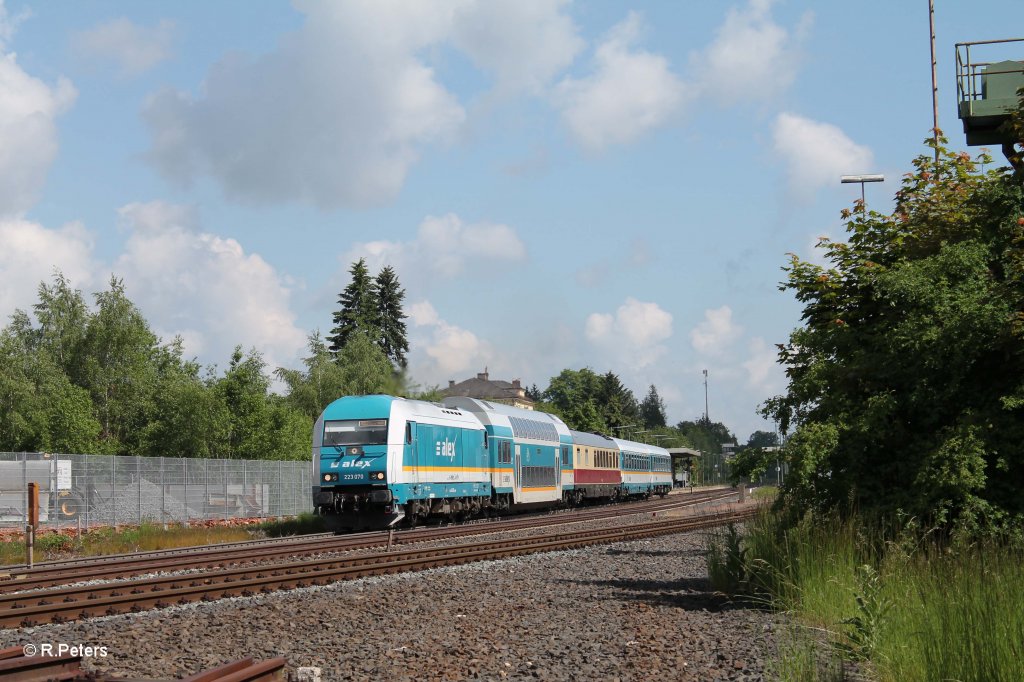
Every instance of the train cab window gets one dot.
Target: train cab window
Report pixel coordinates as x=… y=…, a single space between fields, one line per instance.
x=408 y=433
x=485 y=440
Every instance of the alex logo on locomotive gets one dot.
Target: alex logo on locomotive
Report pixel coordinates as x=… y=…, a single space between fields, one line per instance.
x=445 y=448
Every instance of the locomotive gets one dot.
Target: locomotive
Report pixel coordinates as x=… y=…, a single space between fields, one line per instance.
x=379 y=460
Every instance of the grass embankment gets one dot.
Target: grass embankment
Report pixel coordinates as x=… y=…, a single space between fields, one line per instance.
x=910 y=608
x=105 y=541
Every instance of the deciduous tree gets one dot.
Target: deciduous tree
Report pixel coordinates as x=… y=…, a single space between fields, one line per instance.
x=906 y=379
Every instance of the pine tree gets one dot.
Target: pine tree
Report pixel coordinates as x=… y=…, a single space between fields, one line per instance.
x=390 y=295
x=358 y=308
x=652 y=409
x=617 y=404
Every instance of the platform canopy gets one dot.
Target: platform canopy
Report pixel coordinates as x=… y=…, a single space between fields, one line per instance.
x=683 y=454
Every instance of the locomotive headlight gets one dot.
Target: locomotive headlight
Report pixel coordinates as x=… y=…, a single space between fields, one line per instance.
x=327 y=477
x=378 y=475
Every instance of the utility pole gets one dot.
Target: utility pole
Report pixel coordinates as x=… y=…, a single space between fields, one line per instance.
x=706 y=418
x=935 y=87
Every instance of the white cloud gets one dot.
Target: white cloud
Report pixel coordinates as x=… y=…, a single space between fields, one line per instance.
x=524 y=43
x=337 y=115
x=630 y=93
x=9 y=24
x=29 y=256
x=450 y=350
x=714 y=334
x=205 y=287
x=817 y=153
x=134 y=48
x=752 y=57
x=634 y=333
x=342 y=109
x=28 y=134
x=599 y=326
x=763 y=370
x=443 y=248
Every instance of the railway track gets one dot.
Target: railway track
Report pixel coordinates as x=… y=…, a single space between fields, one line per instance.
x=16 y=666
x=220 y=556
x=63 y=604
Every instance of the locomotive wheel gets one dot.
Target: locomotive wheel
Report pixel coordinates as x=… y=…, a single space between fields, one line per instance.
x=69 y=505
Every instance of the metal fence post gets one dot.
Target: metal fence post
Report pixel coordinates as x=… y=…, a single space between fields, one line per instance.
x=224 y=482
x=54 y=491
x=163 y=495
x=206 y=502
x=138 y=476
x=184 y=479
x=280 y=477
x=24 y=488
x=88 y=496
x=113 y=485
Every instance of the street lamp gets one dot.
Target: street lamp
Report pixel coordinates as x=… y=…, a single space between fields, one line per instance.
x=706 y=419
x=847 y=179
x=624 y=426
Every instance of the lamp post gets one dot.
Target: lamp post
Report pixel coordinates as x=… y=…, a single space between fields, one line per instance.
x=847 y=179
x=624 y=426
x=706 y=418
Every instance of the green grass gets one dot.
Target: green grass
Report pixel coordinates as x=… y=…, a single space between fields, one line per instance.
x=914 y=609
x=105 y=541
x=303 y=524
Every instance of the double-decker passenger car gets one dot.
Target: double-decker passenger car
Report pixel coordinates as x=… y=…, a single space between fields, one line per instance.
x=528 y=451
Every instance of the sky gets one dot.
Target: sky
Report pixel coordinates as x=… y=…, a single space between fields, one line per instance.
x=558 y=184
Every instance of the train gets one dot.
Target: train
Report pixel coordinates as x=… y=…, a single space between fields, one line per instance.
x=381 y=460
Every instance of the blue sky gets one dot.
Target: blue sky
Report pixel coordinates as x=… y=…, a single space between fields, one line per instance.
x=559 y=184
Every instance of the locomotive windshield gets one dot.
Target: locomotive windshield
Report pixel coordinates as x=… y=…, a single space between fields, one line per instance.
x=355 y=432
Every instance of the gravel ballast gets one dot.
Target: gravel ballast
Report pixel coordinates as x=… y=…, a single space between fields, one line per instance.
x=631 y=611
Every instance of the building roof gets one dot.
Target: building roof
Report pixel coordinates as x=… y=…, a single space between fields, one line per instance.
x=485 y=388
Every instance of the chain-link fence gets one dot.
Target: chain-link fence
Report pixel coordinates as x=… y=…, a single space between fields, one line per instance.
x=91 y=490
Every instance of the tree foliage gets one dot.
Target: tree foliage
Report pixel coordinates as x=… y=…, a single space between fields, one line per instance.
x=616 y=404
x=705 y=435
x=359 y=308
x=372 y=307
x=906 y=379
x=99 y=381
x=573 y=393
x=652 y=409
x=390 y=295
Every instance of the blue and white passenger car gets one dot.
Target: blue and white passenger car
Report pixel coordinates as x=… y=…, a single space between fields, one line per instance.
x=529 y=451
x=646 y=469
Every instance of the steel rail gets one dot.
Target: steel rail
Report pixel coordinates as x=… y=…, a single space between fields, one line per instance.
x=64 y=604
x=17 y=667
x=14 y=569
x=126 y=566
